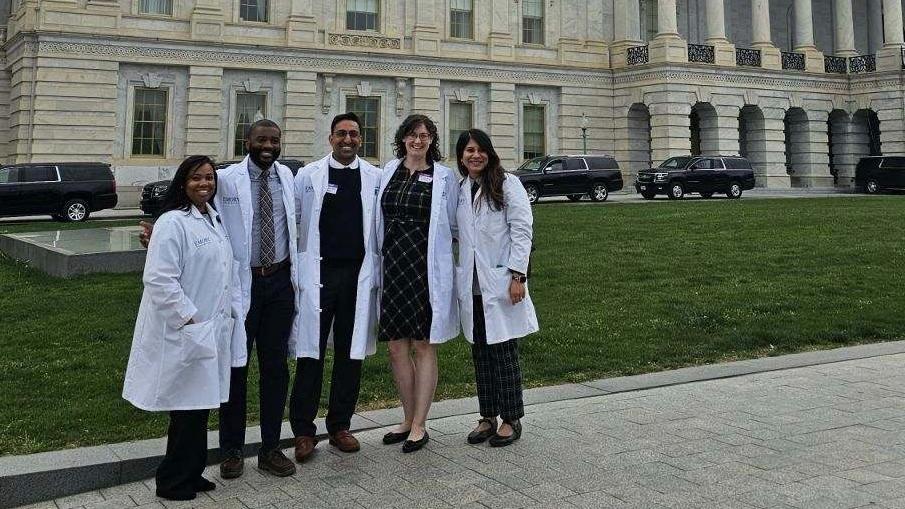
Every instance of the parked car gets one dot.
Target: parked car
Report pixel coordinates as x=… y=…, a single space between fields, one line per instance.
x=152 y=193
x=573 y=176
x=880 y=173
x=66 y=191
x=705 y=175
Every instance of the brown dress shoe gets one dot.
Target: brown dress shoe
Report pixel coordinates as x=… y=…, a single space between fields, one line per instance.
x=232 y=466
x=276 y=463
x=304 y=447
x=344 y=441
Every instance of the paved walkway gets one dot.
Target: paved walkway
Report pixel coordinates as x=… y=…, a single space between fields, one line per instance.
x=825 y=436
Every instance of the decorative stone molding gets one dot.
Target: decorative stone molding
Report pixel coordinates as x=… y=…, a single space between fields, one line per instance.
x=151 y=80
x=462 y=94
x=364 y=41
x=364 y=89
x=534 y=98
x=327 y=98
x=401 y=85
x=252 y=85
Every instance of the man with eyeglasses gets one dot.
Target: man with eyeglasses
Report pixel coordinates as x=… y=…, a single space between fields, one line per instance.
x=336 y=199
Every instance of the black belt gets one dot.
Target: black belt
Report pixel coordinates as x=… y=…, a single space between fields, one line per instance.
x=272 y=269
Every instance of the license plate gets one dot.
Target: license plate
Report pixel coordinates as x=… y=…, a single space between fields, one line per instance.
x=644 y=188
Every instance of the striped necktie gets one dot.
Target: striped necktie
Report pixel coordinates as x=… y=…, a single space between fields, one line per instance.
x=268 y=239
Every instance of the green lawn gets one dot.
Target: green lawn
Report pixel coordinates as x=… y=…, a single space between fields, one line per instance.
x=619 y=288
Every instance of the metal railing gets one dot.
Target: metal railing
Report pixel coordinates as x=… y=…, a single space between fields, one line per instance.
x=637 y=55
x=835 y=65
x=862 y=63
x=701 y=53
x=747 y=57
x=793 y=61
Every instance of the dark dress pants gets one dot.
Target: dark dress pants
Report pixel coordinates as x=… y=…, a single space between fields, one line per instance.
x=268 y=325
x=338 y=296
x=186 y=454
x=497 y=371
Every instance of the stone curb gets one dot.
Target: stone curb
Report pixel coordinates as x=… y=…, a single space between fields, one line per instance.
x=36 y=477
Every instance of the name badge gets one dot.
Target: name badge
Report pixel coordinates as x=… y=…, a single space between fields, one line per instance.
x=427 y=179
x=332 y=188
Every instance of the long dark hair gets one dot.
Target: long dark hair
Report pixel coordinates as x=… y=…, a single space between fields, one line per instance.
x=408 y=127
x=493 y=173
x=176 y=197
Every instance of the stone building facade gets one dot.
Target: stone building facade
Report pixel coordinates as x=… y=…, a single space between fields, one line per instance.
x=803 y=88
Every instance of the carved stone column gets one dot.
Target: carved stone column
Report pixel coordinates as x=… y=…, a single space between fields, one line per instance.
x=723 y=50
x=204 y=108
x=770 y=56
x=301 y=28
x=771 y=170
x=874 y=25
x=425 y=34
x=207 y=21
x=890 y=57
x=670 y=130
x=502 y=122
x=845 y=29
x=500 y=43
x=627 y=25
x=668 y=45
x=298 y=119
x=426 y=99
x=804 y=36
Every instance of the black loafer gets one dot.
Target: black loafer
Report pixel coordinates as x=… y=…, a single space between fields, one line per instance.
x=175 y=494
x=412 y=446
x=498 y=441
x=476 y=437
x=394 y=438
x=202 y=484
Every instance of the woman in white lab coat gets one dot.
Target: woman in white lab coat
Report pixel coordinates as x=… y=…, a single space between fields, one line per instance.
x=495 y=228
x=418 y=311
x=182 y=348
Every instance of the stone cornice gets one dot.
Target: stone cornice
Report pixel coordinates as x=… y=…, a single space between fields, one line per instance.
x=725 y=77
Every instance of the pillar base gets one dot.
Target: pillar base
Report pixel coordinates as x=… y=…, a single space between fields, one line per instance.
x=812 y=181
x=723 y=53
x=425 y=40
x=813 y=59
x=771 y=57
x=301 y=30
x=500 y=46
x=619 y=53
x=584 y=53
x=890 y=59
x=775 y=180
x=668 y=49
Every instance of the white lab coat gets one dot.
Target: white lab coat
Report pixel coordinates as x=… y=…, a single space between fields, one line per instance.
x=189 y=275
x=236 y=208
x=440 y=264
x=310 y=187
x=495 y=241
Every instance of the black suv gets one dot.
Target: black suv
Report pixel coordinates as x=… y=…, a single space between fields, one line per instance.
x=66 y=191
x=705 y=175
x=152 y=193
x=875 y=174
x=570 y=175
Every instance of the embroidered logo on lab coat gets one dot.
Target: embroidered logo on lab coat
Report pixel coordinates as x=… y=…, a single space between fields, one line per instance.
x=202 y=242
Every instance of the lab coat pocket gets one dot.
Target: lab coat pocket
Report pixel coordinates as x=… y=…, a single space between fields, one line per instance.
x=498 y=286
x=199 y=340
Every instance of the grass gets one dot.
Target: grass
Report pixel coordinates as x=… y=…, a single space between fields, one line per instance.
x=620 y=289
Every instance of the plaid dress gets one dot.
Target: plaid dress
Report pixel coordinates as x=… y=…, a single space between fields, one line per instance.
x=405 y=310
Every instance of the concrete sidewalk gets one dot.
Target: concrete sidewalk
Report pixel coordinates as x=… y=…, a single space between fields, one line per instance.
x=814 y=430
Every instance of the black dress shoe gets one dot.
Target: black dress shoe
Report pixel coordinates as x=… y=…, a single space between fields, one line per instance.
x=202 y=484
x=394 y=438
x=412 y=446
x=498 y=441
x=176 y=494
x=476 y=437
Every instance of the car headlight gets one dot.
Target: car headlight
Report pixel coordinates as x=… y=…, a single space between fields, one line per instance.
x=660 y=176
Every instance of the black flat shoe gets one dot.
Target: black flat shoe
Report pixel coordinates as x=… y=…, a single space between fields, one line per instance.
x=412 y=446
x=202 y=484
x=176 y=494
x=394 y=438
x=476 y=437
x=498 y=441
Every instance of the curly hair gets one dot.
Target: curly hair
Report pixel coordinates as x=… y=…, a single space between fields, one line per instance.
x=493 y=173
x=408 y=127
x=176 y=198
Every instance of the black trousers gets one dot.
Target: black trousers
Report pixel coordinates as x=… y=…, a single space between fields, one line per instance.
x=267 y=325
x=338 y=295
x=186 y=454
x=497 y=371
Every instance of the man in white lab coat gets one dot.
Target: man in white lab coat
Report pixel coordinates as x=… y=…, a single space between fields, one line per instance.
x=336 y=198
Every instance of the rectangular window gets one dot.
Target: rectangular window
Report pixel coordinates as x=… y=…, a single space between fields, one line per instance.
x=38 y=174
x=249 y=108
x=361 y=14
x=533 y=132
x=368 y=111
x=459 y=122
x=461 y=16
x=533 y=21
x=253 y=10
x=149 y=122
x=164 y=7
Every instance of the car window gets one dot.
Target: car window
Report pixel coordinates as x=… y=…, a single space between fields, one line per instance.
x=675 y=162
x=700 y=164
x=85 y=173
x=38 y=174
x=575 y=163
x=603 y=163
x=716 y=164
x=893 y=162
x=532 y=164
x=554 y=165
x=8 y=175
x=737 y=163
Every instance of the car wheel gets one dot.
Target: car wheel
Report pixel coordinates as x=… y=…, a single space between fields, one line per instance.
x=533 y=195
x=574 y=197
x=599 y=192
x=872 y=186
x=648 y=196
x=75 y=210
x=707 y=195
x=676 y=191
x=734 y=191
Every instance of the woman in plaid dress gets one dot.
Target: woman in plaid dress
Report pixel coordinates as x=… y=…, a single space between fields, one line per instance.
x=494 y=219
x=415 y=228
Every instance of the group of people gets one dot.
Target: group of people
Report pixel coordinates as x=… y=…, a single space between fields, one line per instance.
x=341 y=255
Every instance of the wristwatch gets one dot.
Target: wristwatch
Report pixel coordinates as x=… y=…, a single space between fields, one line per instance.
x=521 y=278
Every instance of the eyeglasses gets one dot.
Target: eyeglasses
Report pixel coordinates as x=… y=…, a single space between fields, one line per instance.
x=351 y=134
x=416 y=136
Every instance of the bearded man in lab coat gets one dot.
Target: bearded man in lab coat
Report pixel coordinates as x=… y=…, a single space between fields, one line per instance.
x=336 y=199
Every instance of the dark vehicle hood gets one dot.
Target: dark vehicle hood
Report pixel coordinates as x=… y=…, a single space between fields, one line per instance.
x=159 y=183
x=526 y=173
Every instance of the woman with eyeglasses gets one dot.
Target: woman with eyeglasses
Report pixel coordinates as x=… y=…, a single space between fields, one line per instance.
x=418 y=310
x=494 y=219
